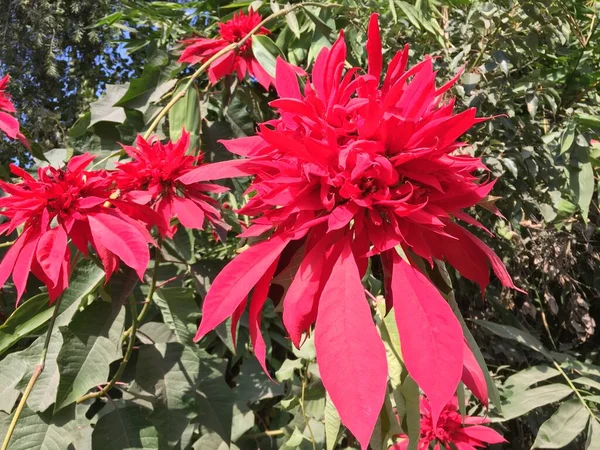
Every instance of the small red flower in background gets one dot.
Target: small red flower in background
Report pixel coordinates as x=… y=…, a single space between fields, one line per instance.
x=239 y=62
x=452 y=430
x=8 y=124
x=356 y=166
x=151 y=179
x=62 y=204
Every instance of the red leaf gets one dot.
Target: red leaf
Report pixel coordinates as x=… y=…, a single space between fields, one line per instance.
x=51 y=253
x=485 y=434
x=23 y=263
x=374 y=55
x=473 y=376
x=259 y=296
x=300 y=302
x=350 y=354
x=431 y=337
x=122 y=239
x=224 y=169
x=235 y=281
x=286 y=81
x=9 y=125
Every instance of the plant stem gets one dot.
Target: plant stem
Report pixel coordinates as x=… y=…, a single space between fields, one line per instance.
x=7 y=244
x=39 y=368
x=151 y=290
x=306 y=419
x=574 y=389
x=104 y=391
x=224 y=50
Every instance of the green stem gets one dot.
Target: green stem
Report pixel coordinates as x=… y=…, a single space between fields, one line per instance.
x=574 y=389
x=106 y=389
x=39 y=368
x=306 y=419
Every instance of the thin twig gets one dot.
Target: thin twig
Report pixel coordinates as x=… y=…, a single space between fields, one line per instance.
x=7 y=244
x=39 y=368
x=306 y=419
x=575 y=390
x=104 y=391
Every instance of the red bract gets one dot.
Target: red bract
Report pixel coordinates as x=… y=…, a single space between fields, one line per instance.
x=241 y=61
x=452 y=430
x=151 y=179
x=356 y=167
x=62 y=204
x=8 y=124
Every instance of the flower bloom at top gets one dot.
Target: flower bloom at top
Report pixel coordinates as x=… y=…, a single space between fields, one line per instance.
x=360 y=165
x=241 y=61
x=62 y=204
x=151 y=179
x=452 y=430
x=8 y=124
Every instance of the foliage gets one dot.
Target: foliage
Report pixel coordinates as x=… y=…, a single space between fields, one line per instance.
x=122 y=371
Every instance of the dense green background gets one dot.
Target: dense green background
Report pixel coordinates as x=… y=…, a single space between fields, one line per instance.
x=532 y=64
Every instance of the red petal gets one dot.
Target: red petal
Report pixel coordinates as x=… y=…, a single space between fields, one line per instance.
x=243 y=146
x=300 y=302
x=473 y=376
x=189 y=213
x=122 y=239
x=9 y=125
x=221 y=67
x=350 y=354
x=374 y=54
x=51 y=253
x=224 y=169
x=23 y=262
x=235 y=281
x=430 y=335
x=286 y=81
x=484 y=434
x=259 y=296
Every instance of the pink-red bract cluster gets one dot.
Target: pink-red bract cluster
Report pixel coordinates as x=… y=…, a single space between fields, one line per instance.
x=359 y=165
x=109 y=212
x=239 y=62
x=9 y=125
x=452 y=430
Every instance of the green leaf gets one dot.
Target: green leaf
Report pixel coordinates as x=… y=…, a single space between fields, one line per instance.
x=567 y=139
x=266 y=52
x=582 y=183
x=35 y=312
x=104 y=109
x=593 y=438
x=180 y=312
x=292 y=22
x=186 y=115
x=515 y=334
x=523 y=402
x=408 y=406
x=589 y=120
x=91 y=342
x=215 y=401
x=587 y=382
x=563 y=426
x=146 y=89
x=170 y=372
x=125 y=428
x=43 y=431
x=524 y=379
x=332 y=424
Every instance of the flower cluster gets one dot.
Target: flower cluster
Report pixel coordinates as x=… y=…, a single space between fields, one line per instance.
x=9 y=125
x=110 y=212
x=357 y=166
x=241 y=61
x=452 y=430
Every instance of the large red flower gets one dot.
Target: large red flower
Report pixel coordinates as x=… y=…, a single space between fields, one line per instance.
x=240 y=62
x=452 y=430
x=68 y=203
x=357 y=167
x=9 y=125
x=151 y=179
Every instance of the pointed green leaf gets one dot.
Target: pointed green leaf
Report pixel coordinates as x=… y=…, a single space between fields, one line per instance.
x=180 y=312
x=563 y=426
x=534 y=398
x=125 y=428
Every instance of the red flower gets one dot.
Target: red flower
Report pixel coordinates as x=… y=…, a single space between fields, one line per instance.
x=62 y=204
x=451 y=431
x=241 y=61
x=151 y=179
x=354 y=168
x=8 y=124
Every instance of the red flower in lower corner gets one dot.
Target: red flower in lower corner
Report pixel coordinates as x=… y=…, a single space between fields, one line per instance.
x=62 y=204
x=9 y=125
x=452 y=430
x=240 y=62
x=150 y=178
x=357 y=166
